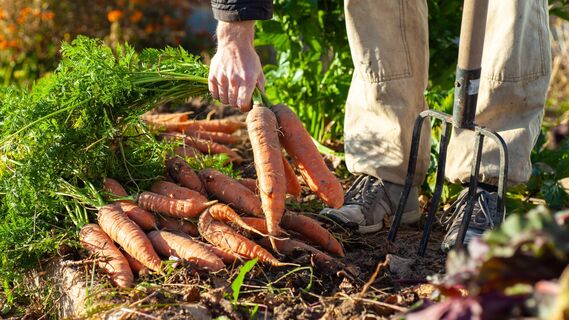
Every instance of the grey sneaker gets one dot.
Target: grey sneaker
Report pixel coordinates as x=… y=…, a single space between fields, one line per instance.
x=369 y=202
x=484 y=217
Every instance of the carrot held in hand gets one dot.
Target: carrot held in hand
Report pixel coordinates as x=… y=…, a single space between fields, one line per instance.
x=262 y=129
x=170 y=244
x=299 y=145
x=182 y=173
x=313 y=231
x=173 y=207
x=292 y=184
x=128 y=235
x=94 y=239
x=231 y=192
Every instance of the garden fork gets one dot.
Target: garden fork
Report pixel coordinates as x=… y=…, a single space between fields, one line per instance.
x=466 y=93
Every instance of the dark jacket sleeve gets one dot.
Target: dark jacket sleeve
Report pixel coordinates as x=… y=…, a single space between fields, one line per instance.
x=241 y=10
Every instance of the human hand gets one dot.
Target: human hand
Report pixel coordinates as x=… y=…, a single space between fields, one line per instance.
x=235 y=69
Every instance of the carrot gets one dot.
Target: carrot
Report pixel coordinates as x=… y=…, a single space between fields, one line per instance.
x=259 y=224
x=128 y=235
x=292 y=185
x=186 y=152
x=223 y=125
x=221 y=235
x=291 y=247
x=299 y=145
x=262 y=129
x=313 y=231
x=180 y=225
x=225 y=255
x=134 y=264
x=141 y=217
x=181 y=172
x=203 y=146
x=231 y=192
x=224 y=213
x=165 y=117
x=218 y=137
x=170 y=244
x=173 y=207
x=174 y=191
x=94 y=239
x=251 y=184
x=113 y=187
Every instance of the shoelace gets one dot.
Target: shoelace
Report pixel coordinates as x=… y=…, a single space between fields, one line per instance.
x=362 y=184
x=483 y=202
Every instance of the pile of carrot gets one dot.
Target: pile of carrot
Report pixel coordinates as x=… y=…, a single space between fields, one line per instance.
x=209 y=219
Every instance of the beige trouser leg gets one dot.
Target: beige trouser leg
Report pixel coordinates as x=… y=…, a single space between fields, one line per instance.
x=389 y=46
x=515 y=75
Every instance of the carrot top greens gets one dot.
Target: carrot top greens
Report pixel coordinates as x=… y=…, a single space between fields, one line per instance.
x=59 y=139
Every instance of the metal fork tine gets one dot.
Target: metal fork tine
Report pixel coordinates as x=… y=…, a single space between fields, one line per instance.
x=416 y=139
x=443 y=146
x=472 y=187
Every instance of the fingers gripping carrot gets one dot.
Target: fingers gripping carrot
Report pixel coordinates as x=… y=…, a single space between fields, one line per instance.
x=181 y=172
x=170 y=244
x=298 y=144
x=262 y=128
x=128 y=235
x=94 y=239
x=231 y=192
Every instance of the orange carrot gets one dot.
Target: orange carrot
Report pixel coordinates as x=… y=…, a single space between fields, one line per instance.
x=224 y=213
x=134 y=264
x=173 y=207
x=182 y=173
x=262 y=129
x=223 y=125
x=180 y=225
x=186 y=152
x=165 y=117
x=170 y=244
x=94 y=239
x=231 y=192
x=113 y=187
x=251 y=184
x=259 y=224
x=174 y=191
x=292 y=185
x=218 y=137
x=128 y=235
x=227 y=256
x=141 y=217
x=299 y=145
x=290 y=247
x=221 y=235
x=313 y=231
x=203 y=146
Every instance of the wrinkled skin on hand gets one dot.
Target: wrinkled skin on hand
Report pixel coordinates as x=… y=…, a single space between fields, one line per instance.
x=235 y=69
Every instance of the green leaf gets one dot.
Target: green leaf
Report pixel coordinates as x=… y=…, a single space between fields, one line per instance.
x=554 y=194
x=238 y=282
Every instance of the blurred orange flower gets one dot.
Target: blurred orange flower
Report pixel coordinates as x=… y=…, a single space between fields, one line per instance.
x=114 y=15
x=47 y=15
x=136 y=16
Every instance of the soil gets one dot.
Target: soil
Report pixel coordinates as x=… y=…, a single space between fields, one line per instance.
x=376 y=279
